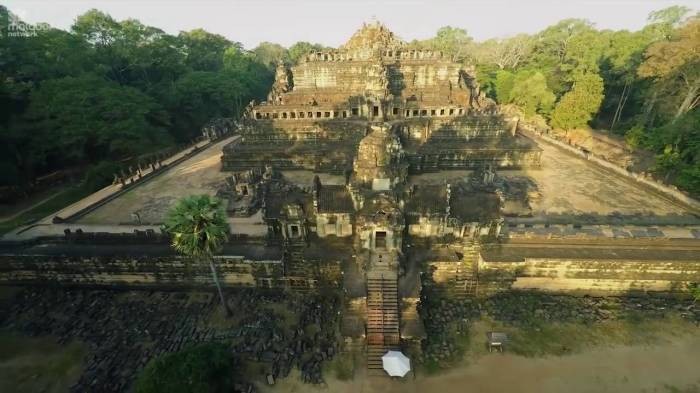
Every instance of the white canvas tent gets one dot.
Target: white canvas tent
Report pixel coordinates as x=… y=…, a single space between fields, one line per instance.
x=396 y=363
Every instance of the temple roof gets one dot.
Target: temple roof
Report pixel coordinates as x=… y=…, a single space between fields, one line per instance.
x=428 y=200
x=373 y=35
x=334 y=199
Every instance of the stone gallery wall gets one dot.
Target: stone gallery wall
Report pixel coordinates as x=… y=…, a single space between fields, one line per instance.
x=351 y=76
x=144 y=271
x=591 y=276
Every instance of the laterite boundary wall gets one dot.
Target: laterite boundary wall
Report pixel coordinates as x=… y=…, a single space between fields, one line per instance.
x=588 y=276
x=115 y=271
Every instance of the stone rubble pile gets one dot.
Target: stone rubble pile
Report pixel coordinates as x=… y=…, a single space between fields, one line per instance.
x=123 y=330
x=531 y=308
x=446 y=319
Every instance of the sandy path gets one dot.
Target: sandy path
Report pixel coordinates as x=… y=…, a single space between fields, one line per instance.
x=620 y=369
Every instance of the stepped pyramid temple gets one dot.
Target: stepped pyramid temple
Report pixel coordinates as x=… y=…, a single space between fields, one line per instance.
x=375 y=111
x=318 y=112
x=380 y=171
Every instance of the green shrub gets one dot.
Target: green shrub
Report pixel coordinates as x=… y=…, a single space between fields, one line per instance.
x=100 y=175
x=205 y=368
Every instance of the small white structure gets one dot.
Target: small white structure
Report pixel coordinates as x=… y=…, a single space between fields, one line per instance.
x=396 y=364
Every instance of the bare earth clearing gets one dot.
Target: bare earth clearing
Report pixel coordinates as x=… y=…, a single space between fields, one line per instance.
x=634 y=369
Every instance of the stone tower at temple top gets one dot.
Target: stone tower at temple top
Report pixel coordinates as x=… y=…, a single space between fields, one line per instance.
x=373 y=35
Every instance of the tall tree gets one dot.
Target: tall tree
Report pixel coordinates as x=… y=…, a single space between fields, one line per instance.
x=205 y=50
x=92 y=118
x=530 y=92
x=676 y=63
x=506 y=53
x=453 y=41
x=554 y=52
x=270 y=54
x=578 y=106
x=199 y=228
x=302 y=48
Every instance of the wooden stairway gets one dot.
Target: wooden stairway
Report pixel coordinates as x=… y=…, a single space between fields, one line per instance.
x=382 y=317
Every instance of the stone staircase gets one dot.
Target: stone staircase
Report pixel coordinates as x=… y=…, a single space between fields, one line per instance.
x=295 y=264
x=465 y=282
x=459 y=279
x=382 y=317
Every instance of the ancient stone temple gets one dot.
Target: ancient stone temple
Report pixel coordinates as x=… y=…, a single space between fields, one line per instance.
x=381 y=173
x=319 y=110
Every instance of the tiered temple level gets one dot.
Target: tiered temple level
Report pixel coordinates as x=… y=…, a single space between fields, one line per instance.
x=319 y=110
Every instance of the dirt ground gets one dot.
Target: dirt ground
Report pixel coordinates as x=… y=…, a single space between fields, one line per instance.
x=670 y=367
x=621 y=357
x=38 y=364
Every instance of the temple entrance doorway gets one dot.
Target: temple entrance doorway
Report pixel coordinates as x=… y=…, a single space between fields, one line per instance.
x=380 y=239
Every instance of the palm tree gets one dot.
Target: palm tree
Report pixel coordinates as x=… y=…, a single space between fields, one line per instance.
x=198 y=227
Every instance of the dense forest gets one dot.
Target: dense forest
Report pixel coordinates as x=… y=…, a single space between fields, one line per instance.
x=641 y=85
x=108 y=91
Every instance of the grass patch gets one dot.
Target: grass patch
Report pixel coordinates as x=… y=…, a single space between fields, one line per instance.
x=342 y=366
x=564 y=338
x=38 y=364
x=219 y=320
x=686 y=389
x=7 y=293
x=61 y=200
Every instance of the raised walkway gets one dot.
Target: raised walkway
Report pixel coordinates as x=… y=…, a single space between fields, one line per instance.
x=48 y=227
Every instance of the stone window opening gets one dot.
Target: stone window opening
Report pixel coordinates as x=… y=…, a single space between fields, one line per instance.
x=442 y=112
x=423 y=112
x=452 y=111
x=318 y=114
x=461 y=111
x=311 y=115
x=345 y=114
x=375 y=111
x=284 y=115
x=301 y=115
x=395 y=111
x=355 y=112
x=244 y=190
x=415 y=112
x=408 y=113
x=275 y=115
x=335 y=114
x=432 y=112
x=293 y=115
x=258 y=115
x=295 y=230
